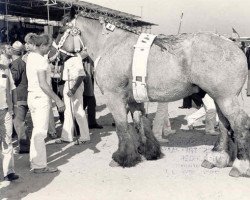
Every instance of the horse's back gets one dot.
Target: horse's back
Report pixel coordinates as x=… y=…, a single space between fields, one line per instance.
x=206 y=60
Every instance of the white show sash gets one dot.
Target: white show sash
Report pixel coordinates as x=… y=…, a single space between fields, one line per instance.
x=139 y=66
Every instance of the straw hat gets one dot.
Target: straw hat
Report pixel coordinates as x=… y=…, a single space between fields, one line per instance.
x=17 y=47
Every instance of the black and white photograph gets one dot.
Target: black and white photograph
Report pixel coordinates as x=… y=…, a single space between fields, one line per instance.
x=124 y=100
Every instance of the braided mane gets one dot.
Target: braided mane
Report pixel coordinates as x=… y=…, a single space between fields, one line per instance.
x=163 y=41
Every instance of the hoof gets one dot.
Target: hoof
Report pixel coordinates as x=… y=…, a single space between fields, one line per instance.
x=152 y=150
x=207 y=164
x=218 y=159
x=234 y=172
x=113 y=164
x=240 y=168
x=126 y=159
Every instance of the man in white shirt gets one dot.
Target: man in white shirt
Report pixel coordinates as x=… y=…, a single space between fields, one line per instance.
x=7 y=90
x=73 y=74
x=39 y=101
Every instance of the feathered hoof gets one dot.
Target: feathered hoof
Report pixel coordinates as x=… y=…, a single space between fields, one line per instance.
x=152 y=150
x=113 y=164
x=125 y=159
x=207 y=164
x=241 y=168
x=218 y=159
x=235 y=173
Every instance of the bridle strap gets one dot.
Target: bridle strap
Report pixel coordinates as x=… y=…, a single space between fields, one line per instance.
x=73 y=30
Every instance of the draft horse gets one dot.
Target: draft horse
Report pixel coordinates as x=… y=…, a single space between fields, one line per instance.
x=178 y=66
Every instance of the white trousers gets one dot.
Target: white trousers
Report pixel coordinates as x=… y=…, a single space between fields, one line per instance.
x=161 y=121
x=40 y=110
x=6 y=137
x=52 y=125
x=208 y=105
x=74 y=110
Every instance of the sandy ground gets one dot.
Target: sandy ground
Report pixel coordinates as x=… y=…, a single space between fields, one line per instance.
x=85 y=173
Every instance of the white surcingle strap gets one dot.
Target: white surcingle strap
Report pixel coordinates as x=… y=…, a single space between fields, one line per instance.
x=139 y=67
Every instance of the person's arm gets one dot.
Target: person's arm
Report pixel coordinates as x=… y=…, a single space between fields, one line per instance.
x=72 y=91
x=79 y=70
x=47 y=90
x=11 y=96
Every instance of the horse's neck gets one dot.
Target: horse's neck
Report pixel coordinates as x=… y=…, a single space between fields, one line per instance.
x=106 y=42
x=98 y=43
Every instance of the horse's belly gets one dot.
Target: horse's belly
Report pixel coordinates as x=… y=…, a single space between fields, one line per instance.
x=166 y=93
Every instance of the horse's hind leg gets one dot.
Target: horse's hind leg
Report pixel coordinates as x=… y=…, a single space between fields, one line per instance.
x=148 y=144
x=127 y=154
x=223 y=153
x=240 y=123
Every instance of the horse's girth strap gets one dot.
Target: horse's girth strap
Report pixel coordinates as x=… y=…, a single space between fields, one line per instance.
x=139 y=67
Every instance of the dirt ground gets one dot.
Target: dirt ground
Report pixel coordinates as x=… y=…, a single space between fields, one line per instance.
x=85 y=173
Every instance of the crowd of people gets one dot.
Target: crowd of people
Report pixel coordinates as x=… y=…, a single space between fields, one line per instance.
x=26 y=85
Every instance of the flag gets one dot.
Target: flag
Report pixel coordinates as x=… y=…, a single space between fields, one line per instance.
x=234 y=31
x=181 y=15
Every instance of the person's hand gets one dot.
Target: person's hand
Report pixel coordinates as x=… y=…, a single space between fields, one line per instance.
x=11 y=112
x=60 y=105
x=71 y=92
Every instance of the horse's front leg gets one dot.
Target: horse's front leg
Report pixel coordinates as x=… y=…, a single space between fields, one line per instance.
x=149 y=147
x=127 y=153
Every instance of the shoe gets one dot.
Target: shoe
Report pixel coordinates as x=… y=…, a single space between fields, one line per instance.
x=168 y=132
x=24 y=151
x=11 y=177
x=190 y=127
x=53 y=135
x=78 y=142
x=212 y=133
x=182 y=107
x=45 y=170
x=97 y=126
x=60 y=141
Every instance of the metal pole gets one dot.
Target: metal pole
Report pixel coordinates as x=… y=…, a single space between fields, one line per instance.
x=48 y=11
x=7 y=23
x=180 y=23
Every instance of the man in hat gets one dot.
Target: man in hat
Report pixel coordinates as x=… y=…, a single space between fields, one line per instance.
x=18 y=70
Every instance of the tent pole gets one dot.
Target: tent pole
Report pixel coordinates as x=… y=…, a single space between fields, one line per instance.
x=7 y=23
x=48 y=11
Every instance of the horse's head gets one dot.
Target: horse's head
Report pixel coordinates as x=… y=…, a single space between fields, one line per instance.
x=68 y=41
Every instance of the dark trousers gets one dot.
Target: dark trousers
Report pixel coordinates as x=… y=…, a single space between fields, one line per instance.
x=21 y=127
x=89 y=102
x=187 y=101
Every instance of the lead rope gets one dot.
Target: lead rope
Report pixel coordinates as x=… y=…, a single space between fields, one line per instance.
x=72 y=115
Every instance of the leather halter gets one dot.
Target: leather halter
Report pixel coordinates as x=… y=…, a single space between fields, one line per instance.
x=73 y=31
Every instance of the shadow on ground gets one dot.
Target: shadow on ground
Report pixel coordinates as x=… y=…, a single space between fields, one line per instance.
x=57 y=154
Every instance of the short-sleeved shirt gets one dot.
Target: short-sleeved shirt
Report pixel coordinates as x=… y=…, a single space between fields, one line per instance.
x=73 y=68
x=5 y=81
x=36 y=63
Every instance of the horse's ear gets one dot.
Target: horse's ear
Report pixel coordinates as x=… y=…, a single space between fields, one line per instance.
x=72 y=13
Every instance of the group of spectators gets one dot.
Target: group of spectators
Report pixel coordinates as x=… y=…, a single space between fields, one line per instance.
x=26 y=72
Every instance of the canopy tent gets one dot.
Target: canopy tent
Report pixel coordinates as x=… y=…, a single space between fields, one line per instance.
x=55 y=9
